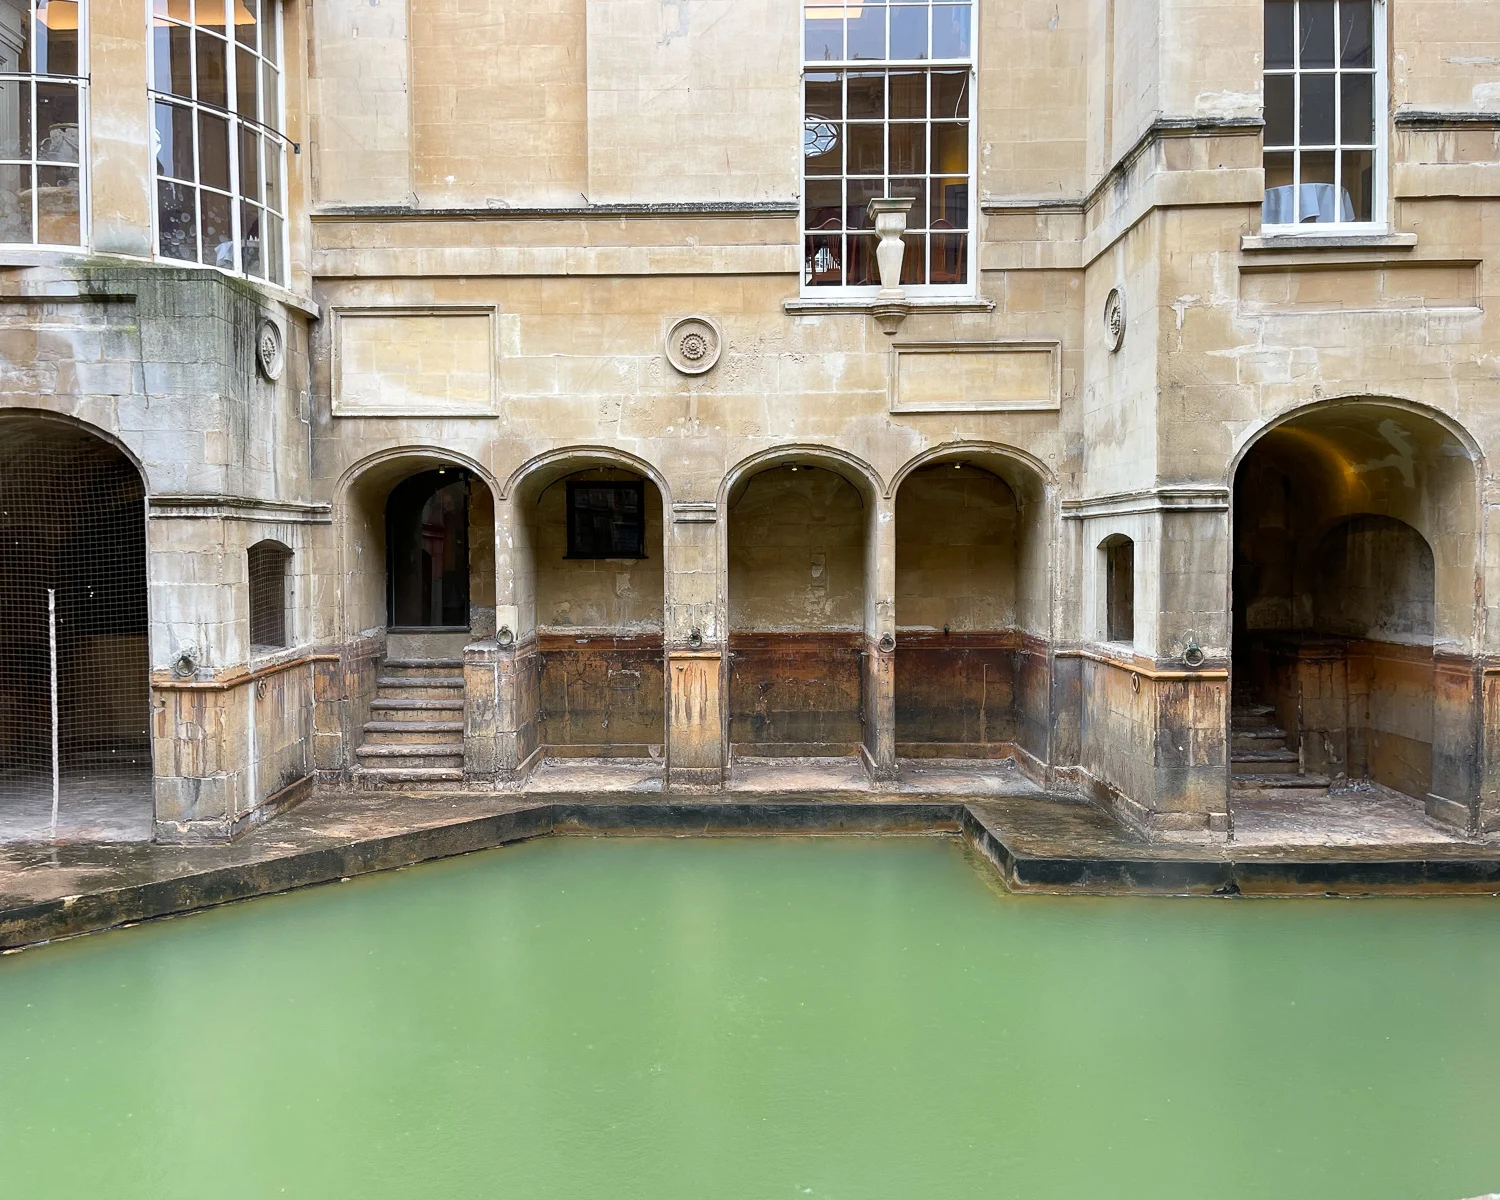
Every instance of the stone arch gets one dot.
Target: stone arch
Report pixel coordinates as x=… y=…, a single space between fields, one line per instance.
x=1356 y=592
x=75 y=623
x=359 y=518
x=588 y=625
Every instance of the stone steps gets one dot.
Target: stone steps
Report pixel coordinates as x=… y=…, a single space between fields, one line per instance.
x=414 y=736
x=1261 y=763
x=1275 y=761
x=1256 y=739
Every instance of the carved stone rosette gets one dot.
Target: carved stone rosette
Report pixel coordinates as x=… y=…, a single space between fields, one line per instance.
x=693 y=345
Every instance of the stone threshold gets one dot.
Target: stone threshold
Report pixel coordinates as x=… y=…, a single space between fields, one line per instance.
x=1039 y=843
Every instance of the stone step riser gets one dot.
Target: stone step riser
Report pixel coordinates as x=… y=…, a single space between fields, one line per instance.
x=407 y=761
x=416 y=716
x=1271 y=739
x=418 y=691
x=410 y=737
x=1262 y=767
x=378 y=780
x=400 y=671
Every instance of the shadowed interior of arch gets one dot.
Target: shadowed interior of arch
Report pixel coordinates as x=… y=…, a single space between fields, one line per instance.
x=1354 y=566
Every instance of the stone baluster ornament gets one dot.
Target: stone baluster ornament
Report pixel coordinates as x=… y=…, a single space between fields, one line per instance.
x=889 y=214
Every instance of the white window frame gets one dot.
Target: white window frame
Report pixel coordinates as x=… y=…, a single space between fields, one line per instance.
x=970 y=287
x=267 y=133
x=1379 y=192
x=81 y=81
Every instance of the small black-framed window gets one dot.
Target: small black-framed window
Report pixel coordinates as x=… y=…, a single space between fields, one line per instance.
x=606 y=518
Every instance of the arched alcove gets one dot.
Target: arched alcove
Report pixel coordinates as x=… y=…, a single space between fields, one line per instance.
x=74 y=675
x=1355 y=559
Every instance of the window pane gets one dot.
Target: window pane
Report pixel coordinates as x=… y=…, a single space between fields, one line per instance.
x=217 y=230
x=1280 y=109
x=213 y=74
x=823 y=206
x=867 y=93
x=866 y=149
x=823 y=35
x=213 y=151
x=172 y=64
x=950 y=262
x=271 y=115
x=1359 y=184
x=244 y=22
x=1280 y=206
x=917 y=190
x=250 y=219
x=270 y=244
x=866 y=31
x=15 y=127
x=822 y=261
x=1316 y=118
x=273 y=155
x=914 y=261
x=909 y=32
x=15 y=203
x=174 y=140
x=1280 y=34
x=210 y=15
x=57 y=221
x=249 y=164
x=1317 y=200
x=246 y=77
x=950 y=94
x=950 y=148
x=15 y=45
x=908 y=94
x=176 y=222
x=950 y=31
x=859 y=193
x=1317 y=33
x=269 y=50
x=56 y=48
x=178 y=10
x=950 y=204
x=823 y=148
x=1356 y=34
x=1357 y=117
x=824 y=93
x=862 y=269
x=57 y=122
x=908 y=149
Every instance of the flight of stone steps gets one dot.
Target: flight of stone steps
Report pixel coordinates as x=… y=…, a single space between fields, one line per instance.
x=1260 y=760
x=415 y=734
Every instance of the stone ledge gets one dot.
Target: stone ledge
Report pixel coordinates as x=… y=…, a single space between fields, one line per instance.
x=1253 y=243
x=804 y=306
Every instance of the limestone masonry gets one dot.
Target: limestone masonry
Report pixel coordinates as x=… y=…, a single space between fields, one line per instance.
x=402 y=394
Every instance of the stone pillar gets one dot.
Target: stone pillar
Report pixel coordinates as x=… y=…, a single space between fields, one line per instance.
x=695 y=634
x=878 y=657
x=500 y=672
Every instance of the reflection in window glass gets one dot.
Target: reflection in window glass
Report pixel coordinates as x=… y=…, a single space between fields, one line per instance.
x=42 y=110
x=1320 y=97
x=220 y=198
x=887 y=92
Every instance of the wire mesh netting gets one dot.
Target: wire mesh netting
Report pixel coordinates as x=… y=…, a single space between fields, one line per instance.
x=73 y=619
x=268 y=563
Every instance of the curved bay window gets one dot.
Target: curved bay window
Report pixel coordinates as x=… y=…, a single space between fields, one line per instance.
x=887 y=99
x=42 y=88
x=220 y=154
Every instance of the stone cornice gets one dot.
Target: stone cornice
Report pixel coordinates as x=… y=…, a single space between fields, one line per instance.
x=181 y=506
x=710 y=208
x=1170 y=498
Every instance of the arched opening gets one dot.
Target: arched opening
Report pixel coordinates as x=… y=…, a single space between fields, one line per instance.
x=419 y=585
x=597 y=600
x=797 y=538
x=1355 y=544
x=74 y=677
x=1117 y=563
x=269 y=627
x=971 y=610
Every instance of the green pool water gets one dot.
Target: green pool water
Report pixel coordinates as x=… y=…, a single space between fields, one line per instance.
x=853 y=1018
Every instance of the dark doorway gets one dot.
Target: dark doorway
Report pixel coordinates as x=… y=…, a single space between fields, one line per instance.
x=73 y=614
x=427 y=551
